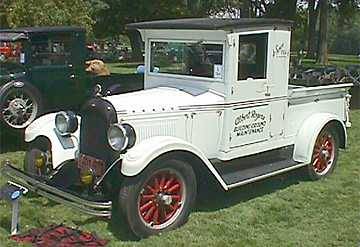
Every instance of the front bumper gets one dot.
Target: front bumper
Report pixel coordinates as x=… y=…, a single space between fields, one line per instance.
x=95 y=208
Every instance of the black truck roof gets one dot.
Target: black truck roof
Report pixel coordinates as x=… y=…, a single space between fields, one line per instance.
x=43 y=29
x=24 y=32
x=209 y=23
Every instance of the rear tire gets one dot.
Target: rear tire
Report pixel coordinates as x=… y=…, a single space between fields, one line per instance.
x=160 y=198
x=325 y=154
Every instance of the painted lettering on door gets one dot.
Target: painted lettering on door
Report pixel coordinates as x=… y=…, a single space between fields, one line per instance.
x=250 y=125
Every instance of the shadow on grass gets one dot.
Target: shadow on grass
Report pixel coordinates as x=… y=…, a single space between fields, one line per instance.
x=211 y=198
x=11 y=141
x=216 y=198
x=5 y=223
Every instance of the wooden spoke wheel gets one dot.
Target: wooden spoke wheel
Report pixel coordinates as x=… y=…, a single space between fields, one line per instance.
x=325 y=154
x=160 y=198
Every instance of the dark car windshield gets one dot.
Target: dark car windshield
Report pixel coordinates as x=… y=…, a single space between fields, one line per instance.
x=12 y=57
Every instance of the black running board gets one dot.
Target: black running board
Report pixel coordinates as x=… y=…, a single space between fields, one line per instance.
x=256 y=167
x=95 y=208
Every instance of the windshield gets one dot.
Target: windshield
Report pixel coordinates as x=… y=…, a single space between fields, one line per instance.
x=186 y=58
x=12 y=57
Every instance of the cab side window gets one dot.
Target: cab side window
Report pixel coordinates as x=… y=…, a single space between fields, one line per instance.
x=51 y=51
x=252 y=56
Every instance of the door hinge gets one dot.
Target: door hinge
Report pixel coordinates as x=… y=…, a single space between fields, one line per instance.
x=231 y=41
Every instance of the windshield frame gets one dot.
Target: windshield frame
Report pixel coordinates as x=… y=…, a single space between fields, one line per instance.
x=181 y=76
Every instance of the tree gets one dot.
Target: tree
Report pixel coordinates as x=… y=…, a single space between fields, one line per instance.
x=49 y=13
x=313 y=11
x=284 y=9
x=322 y=56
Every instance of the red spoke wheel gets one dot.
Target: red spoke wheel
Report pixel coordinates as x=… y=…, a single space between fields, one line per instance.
x=160 y=198
x=324 y=154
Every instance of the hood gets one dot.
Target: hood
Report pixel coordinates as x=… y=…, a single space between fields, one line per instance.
x=162 y=99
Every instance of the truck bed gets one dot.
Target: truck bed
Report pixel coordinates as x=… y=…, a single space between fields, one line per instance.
x=316 y=93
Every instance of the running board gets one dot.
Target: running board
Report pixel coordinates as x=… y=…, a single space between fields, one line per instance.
x=256 y=167
x=95 y=208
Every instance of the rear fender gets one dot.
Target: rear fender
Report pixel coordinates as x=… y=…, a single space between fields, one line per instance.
x=63 y=148
x=311 y=128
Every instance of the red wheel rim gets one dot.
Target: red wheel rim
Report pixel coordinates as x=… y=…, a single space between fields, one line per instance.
x=324 y=154
x=161 y=199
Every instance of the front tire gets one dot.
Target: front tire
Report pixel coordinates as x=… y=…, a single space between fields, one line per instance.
x=160 y=198
x=325 y=154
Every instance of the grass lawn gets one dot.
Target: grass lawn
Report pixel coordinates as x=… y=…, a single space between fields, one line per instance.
x=122 y=68
x=334 y=59
x=286 y=210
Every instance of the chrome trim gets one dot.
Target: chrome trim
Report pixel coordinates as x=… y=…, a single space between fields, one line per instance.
x=240 y=104
x=315 y=98
x=98 y=181
x=231 y=186
x=102 y=209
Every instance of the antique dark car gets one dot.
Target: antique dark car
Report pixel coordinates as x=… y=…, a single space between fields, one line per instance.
x=43 y=69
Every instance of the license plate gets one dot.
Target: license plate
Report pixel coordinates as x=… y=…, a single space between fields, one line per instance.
x=86 y=162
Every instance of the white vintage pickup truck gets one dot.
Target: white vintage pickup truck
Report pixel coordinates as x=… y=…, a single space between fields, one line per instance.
x=216 y=101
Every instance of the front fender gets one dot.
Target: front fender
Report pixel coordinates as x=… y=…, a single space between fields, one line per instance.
x=311 y=128
x=140 y=156
x=62 y=147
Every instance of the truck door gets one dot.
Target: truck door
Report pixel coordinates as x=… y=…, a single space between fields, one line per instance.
x=250 y=91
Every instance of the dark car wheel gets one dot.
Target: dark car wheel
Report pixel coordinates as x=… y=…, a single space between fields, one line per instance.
x=325 y=154
x=37 y=159
x=160 y=198
x=20 y=105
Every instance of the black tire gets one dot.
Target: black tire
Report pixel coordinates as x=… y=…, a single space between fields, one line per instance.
x=132 y=197
x=20 y=104
x=37 y=148
x=325 y=154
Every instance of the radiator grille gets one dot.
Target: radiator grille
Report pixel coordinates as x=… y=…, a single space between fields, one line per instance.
x=96 y=117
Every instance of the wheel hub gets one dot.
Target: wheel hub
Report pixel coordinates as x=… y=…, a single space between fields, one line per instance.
x=17 y=107
x=323 y=156
x=19 y=110
x=164 y=199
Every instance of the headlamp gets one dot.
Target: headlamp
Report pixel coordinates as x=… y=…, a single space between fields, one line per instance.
x=121 y=137
x=66 y=122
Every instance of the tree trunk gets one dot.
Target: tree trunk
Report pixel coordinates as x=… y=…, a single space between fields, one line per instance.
x=245 y=9
x=136 y=45
x=284 y=9
x=312 y=30
x=322 y=56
